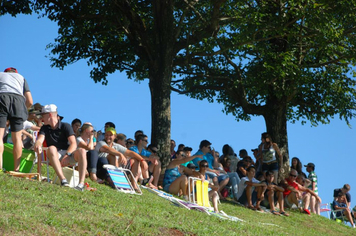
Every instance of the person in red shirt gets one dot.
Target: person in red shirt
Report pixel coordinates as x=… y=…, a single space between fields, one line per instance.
x=293 y=193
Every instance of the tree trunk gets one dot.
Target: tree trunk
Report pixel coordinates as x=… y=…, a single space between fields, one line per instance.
x=160 y=73
x=276 y=123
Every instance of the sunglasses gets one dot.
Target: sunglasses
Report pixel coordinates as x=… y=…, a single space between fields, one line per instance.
x=292 y=175
x=205 y=166
x=145 y=140
x=130 y=142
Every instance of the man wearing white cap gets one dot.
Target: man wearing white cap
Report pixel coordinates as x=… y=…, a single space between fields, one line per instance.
x=15 y=99
x=62 y=146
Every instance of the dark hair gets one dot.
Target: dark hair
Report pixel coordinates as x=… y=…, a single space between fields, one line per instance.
x=110 y=124
x=179 y=152
x=227 y=150
x=202 y=162
x=204 y=143
x=298 y=168
x=249 y=168
x=269 y=173
x=243 y=152
x=181 y=146
x=266 y=135
x=76 y=120
x=224 y=161
x=140 y=137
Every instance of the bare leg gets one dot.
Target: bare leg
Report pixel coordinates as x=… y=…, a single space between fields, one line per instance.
x=270 y=195
x=260 y=195
x=280 y=201
x=156 y=171
x=312 y=204
x=249 y=190
x=17 y=151
x=52 y=155
x=2 y=131
x=306 y=200
x=180 y=184
x=112 y=160
x=81 y=157
x=214 y=197
x=348 y=215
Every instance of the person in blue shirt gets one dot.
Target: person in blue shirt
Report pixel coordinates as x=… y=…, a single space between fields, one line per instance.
x=154 y=165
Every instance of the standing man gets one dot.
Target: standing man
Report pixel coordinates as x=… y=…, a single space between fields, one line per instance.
x=62 y=145
x=15 y=99
x=314 y=205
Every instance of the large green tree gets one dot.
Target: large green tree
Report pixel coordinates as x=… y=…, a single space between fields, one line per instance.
x=283 y=60
x=139 y=37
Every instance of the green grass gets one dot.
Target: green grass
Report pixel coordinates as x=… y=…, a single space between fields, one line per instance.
x=34 y=208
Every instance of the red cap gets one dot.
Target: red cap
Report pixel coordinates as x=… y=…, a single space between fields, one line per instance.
x=11 y=69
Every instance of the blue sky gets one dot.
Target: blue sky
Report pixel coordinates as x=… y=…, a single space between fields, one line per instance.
x=127 y=103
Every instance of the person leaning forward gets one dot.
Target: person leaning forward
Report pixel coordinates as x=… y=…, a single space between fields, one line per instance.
x=62 y=146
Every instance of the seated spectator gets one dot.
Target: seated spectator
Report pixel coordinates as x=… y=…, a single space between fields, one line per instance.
x=226 y=162
x=213 y=184
x=175 y=180
x=340 y=204
x=251 y=190
x=109 y=150
x=345 y=189
x=100 y=135
x=120 y=139
x=76 y=124
x=294 y=192
x=208 y=155
x=274 y=194
x=86 y=141
x=297 y=165
x=242 y=166
x=154 y=165
x=180 y=147
x=137 y=133
x=62 y=146
x=243 y=153
x=130 y=143
x=228 y=152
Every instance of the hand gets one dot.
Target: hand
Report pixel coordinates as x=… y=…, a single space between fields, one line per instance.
x=153 y=160
x=38 y=148
x=122 y=160
x=65 y=161
x=215 y=188
x=263 y=185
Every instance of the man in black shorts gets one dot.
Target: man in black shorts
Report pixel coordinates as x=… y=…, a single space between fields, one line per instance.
x=15 y=99
x=62 y=146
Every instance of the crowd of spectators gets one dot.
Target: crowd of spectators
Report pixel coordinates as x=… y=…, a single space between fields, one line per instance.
x=252 y=183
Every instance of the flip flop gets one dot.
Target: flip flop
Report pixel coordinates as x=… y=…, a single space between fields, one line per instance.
x=251 y=208
x=276 y=213
x=284 y=213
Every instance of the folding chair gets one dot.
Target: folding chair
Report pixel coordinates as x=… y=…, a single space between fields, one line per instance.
x=338 y=217
x=200 y=189
x=325 y=208
x=120 y=178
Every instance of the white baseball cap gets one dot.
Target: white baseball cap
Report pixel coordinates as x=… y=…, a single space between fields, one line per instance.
x=49 y=108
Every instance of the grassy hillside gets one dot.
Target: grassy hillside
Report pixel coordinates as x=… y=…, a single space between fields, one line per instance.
x=34 y=208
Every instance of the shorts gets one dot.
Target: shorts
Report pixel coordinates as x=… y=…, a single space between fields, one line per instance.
x=243 y=198
x=287 y=203
x=62 y=153
x=13 y=108
x=265 y=201
x=166 y=188
x=272 y=166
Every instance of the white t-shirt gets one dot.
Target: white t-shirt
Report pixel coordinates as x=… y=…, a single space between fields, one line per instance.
x=115 y=146
x=242 y=185
x=27 y=125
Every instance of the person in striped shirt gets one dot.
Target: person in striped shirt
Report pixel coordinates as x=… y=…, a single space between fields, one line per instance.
x=314 y=205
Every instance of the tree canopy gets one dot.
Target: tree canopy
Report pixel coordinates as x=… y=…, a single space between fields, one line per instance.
x=284 y=60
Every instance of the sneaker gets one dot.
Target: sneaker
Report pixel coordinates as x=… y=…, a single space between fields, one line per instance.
x=64 y=183
x=79 y=187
